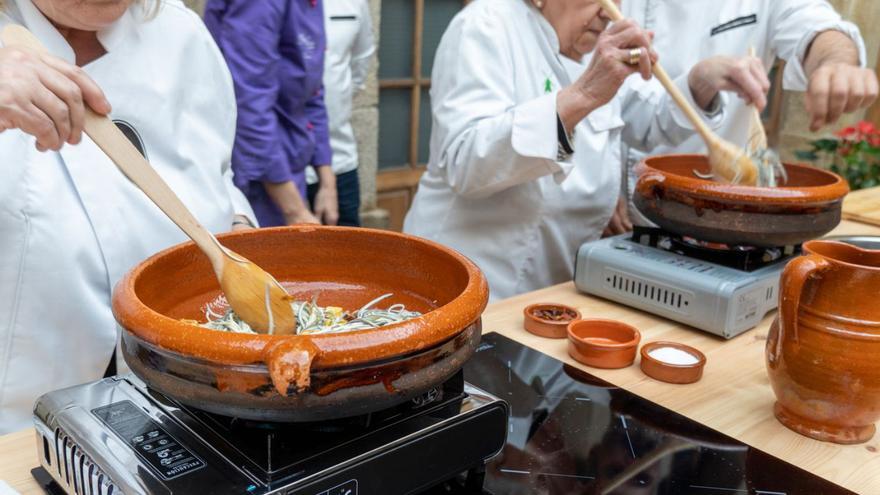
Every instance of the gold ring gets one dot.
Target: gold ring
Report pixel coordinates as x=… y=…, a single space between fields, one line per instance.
x=635 y=55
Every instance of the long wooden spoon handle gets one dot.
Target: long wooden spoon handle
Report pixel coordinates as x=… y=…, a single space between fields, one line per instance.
x=666 y=81
x=129 y=160
x=113 y=142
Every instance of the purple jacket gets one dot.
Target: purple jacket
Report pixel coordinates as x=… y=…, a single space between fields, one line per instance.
x=275 y=51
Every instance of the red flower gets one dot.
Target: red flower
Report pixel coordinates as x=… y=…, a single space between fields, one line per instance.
x=845 y=132
x=866 y=128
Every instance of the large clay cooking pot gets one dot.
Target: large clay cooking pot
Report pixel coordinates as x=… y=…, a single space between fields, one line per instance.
x=823 y=352
x=304 y=377
x=807 y=206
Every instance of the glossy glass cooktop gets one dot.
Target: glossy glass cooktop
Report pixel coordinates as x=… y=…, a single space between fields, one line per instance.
x=571 y=433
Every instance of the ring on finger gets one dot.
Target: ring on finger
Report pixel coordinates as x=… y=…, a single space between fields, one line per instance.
x=635 y=56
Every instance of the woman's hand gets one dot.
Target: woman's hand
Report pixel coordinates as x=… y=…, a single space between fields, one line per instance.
x=620 y=222
x=45 y=97
x=608 y=69
x=326 y=205
x=745 y=76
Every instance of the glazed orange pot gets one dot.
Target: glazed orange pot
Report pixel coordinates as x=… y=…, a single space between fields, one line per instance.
x=823 y=351
x=304 y=377
x=670 y=194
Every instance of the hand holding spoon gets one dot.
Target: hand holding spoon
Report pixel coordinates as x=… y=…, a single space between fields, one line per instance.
x=253 y=294
x=728 y=162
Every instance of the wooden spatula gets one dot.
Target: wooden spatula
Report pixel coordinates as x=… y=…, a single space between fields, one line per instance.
x=729 y=162
x=253 y=294
x=757 y=134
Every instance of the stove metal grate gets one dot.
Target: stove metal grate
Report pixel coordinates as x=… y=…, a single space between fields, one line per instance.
x=74 y=470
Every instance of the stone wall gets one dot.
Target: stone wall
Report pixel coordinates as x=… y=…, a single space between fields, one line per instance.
x=197 y=5
x=795 y=132
x=365 y=120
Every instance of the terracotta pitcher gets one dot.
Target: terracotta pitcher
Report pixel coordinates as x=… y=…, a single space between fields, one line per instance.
x=823 y=352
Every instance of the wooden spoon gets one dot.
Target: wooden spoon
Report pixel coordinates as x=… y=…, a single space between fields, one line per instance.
x=253 y=294
x=729 y=162
x=757 y=134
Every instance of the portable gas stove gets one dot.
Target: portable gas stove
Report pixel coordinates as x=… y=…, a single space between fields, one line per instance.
x=117 y=436
x=724 y=290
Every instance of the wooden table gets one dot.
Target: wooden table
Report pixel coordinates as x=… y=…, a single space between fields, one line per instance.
x=863 y=206
x=733 y=397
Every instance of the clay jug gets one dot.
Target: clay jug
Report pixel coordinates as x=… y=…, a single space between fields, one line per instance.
x=823 y=351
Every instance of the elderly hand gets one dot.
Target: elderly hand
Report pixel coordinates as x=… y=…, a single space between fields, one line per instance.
x=326 y=205
x=745 y=76
x=45 y=97
x=620 y=222
x=607 y=71
x=836 y=82
x=838 y=88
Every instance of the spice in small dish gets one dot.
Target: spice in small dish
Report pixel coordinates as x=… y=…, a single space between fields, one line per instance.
x=548 y=319
x=555 y=314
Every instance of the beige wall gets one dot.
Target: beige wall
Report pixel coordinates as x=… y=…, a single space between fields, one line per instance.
x=795 y=133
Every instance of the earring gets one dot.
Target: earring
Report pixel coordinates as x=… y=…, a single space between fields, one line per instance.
x=539 y=4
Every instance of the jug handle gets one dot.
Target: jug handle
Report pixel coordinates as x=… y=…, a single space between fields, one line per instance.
x=795 y=275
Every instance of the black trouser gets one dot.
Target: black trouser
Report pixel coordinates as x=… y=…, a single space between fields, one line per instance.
x=348 y=191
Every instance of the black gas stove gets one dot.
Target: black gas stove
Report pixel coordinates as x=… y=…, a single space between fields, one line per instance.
x=739 y=257
x=568 y=433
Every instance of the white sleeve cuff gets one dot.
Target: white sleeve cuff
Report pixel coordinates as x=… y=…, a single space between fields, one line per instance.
x=795 y=78
x=534 y=135
x=241 y=206
x=713 y=118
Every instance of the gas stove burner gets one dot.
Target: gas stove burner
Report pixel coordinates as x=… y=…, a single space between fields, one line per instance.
x=741 y=257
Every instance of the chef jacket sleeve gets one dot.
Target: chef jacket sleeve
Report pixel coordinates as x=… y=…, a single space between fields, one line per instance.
x=792 y=26
x=317 y=113
x=653 y=118
x=484 y=140
x=248 y=36
x=363 y=49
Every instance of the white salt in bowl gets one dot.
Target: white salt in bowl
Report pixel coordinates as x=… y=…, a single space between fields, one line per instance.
x=672 y=362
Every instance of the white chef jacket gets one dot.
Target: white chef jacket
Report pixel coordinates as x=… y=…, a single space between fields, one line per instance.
x=349 y=48
x=494 y=189
x=71 y=224
x=687 y=31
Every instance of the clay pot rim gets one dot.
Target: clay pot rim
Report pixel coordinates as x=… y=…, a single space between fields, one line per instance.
x=806 y=249
x=650 y=346
x=710 y=190
x=578 y=340
x=334 y=350
x=528 y=313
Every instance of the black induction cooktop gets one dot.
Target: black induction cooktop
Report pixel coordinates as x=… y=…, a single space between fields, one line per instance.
x=572 y=433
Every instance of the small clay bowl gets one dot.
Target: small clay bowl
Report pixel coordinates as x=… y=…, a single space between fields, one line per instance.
x=605 y=344
x=543 y=326
x=669 y=372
